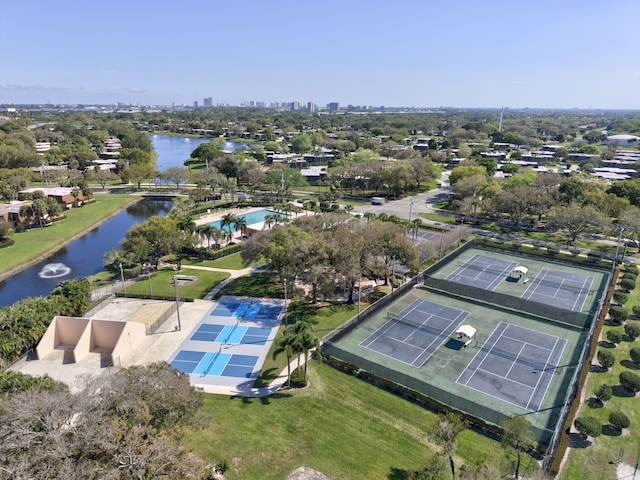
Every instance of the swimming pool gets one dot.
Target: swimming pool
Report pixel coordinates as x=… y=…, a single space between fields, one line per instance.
x=252 y=218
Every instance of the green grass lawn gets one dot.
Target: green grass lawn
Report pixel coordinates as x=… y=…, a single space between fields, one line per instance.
x=339 y=425
x=254 y=286
x=230 y=262
x=593 y=462
x=161 y=284
x=39 y=241
x=436 y=217
x=325 y=319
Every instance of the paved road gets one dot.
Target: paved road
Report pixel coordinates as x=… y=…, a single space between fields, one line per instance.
x=411 y=206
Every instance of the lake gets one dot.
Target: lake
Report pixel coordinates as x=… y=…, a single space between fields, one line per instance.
x=174 y=150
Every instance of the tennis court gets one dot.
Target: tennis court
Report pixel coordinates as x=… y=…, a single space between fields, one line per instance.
x=515 y=364
x=482 y=271
x=413 y=335
x=561 y=289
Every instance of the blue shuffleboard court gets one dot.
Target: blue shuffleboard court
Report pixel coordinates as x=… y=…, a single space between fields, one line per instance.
x=231 y=334
x=246 y=310
x=214 y=363
x=414 y=334
x=482 y=272
x=515 y=365
x=561 y=289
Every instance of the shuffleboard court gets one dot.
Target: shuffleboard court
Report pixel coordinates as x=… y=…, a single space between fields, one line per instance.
x=231 y=334
x=516 y=365
x=414 y=334
x=482 y=271
x=214 y=363
x=246 y=310
x=561 y=289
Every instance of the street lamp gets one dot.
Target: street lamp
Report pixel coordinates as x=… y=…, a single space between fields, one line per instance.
x=122 y=278
x=149 y=276
x=285 y=302
x=175 y=284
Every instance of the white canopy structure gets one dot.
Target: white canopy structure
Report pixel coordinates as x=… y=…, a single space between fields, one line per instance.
x=465 y=334
x=520 y=272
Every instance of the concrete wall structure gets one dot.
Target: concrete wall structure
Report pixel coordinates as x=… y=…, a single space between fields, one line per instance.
x=85 y=336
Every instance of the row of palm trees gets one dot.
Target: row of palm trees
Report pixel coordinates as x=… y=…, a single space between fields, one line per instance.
x=297 y=339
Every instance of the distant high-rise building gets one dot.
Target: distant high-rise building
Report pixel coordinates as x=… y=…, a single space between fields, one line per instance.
x=295 y=106
x=311 y=107
x=195 y=104
x=333 y=106
x=208 y=102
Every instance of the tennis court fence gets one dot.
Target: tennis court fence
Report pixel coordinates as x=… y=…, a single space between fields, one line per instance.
x=425 y=393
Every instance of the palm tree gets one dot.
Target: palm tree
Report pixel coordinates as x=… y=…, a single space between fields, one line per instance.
x=206 y=232
x=348 y=208
x=27 y=213
x=39 y=208
x=268 y=220
x=227 y=220
x=303 y=340
x=284 y=343
x=217 y=234
x=369 y=216
x=241 y=225
x=416 y=223
x=76 y=194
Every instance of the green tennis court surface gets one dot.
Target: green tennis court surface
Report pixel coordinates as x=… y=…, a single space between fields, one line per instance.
x=528 y=342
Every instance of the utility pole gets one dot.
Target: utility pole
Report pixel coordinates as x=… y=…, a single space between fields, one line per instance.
x=122 y=278
x=175 y=284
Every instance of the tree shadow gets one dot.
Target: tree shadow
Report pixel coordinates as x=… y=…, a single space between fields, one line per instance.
x=577 y=440
x=398 y=474
x=630 y=364
x=620 y=391
x=606 y=344
x=611 y=431
x=593 y=402
x=597 y=368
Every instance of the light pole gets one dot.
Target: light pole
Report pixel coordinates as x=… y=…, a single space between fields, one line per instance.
x=175 y=284
x=285 y=302
x=359 y=293
x=122 y=278
x=393 y=273
x=149 y=276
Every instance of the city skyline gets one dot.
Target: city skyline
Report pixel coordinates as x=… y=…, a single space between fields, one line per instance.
x=459 y=54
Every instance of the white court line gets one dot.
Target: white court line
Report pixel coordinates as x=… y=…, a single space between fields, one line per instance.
x=500 y=398
x=534 y=286
x=588 y=280
x=543 y=372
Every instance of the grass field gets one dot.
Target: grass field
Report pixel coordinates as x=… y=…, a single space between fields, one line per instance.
x=39 y=241
x=254 y=286
x=594 y=462
x=230 y=262
x=161 y=284
x=340 y=425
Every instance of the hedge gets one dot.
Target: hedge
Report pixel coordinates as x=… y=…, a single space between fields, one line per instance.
x=630 y=381
x=614 y=336
x=620 y=297
x=619 y=420
x=618 y=313
x=632 y=330
x=627 y=284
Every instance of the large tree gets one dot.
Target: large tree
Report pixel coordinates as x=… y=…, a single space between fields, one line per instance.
x=445 y=435
x=517 y=438
x=575 y=219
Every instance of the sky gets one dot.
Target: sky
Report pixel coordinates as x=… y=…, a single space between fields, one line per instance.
x=394 y=53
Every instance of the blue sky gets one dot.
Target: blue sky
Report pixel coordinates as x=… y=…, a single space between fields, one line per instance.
x=422 y=53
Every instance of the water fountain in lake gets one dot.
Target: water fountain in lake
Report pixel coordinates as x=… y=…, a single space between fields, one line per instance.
x=54 y=270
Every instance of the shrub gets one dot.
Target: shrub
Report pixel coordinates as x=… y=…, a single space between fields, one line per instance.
x=614 y=336
x=618 y=314
x=594 y=256
x=636 y=310
x=632 y=330
x=606 y=359
x=632 y=276
x=630 y=381
x=553 y=251
x=620 y=297
x=619 y=420
x=588 y=426
x=603 y=393
x=627 y=284
x=634 y=353
x=633 y=269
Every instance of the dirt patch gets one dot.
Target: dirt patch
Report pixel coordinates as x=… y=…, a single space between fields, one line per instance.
x=306 y=473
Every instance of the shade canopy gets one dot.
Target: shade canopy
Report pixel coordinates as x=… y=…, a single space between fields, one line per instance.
x=465 y=330
x=520 y=269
